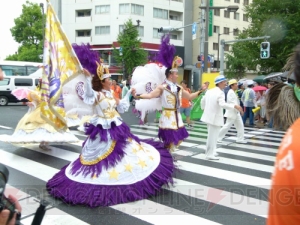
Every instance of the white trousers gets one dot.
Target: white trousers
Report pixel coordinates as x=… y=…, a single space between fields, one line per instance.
x=212 y=138
x=238 y=123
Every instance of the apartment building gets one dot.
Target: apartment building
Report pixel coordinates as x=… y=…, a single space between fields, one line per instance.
x=225 y=25
x=99 y=22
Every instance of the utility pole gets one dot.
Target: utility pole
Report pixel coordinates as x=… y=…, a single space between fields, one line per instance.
x=202 y=35
x=223 y=42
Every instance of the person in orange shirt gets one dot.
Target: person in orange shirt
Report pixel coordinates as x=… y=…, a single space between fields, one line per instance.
x=117 y=91
x=284 y=201
x=284 y=196
x=186 y=105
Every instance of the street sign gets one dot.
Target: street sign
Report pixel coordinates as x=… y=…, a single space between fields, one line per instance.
x=265 y=50
x=194 y=31
x=121 y=51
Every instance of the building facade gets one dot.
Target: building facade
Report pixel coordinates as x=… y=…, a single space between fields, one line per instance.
x=99 y=22
x=224 y=25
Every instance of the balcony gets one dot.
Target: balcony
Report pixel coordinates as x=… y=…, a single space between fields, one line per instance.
x=177 y=16
x=83 y=39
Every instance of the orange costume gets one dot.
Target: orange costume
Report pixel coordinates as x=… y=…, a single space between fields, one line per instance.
x=185 y=103
x=284 y=196
x=116 y=91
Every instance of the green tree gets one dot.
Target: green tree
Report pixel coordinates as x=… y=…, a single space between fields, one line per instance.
x=278 y=19
x=132 y=53
x=28 y=32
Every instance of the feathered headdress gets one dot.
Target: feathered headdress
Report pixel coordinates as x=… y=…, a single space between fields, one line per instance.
x=102 y=70
x=87 y=57
x=166 y=54
x=293 y=63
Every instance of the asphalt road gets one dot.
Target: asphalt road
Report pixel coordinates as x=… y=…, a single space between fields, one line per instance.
x=231 y=191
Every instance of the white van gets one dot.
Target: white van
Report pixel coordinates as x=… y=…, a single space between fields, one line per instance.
x=10 y=83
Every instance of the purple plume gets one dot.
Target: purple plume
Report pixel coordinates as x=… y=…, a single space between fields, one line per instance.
x=87 y=57
x=166 y=51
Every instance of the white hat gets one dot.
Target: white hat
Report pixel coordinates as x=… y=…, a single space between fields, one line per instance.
x=250 y=82
x=219 y=79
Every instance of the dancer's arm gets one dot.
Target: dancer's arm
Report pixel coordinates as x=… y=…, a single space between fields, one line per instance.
x=89 y=94
x=189 y=96
x=154 y=94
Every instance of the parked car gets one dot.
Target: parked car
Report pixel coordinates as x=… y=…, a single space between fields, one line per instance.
x=10 y=83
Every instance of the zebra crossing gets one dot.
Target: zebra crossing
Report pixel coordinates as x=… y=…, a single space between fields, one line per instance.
x=232 y=190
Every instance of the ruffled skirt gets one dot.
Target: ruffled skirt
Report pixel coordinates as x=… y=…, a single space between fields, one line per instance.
x=114 y=167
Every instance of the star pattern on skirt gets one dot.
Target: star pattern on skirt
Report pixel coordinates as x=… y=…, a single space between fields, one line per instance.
x=113 y=174
x=142 y=163
x=128 y=167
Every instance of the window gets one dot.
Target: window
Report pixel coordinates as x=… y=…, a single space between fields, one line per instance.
x=226 y=30
x=160 y=13
x=236 y=1
x=137 y=9
x=23 y=82
x=226 y=14
x=101 y=9
x=216 y=29
x=5 y=81
x=124 y=8
x=155 y=33
x=99 y=30
x=236 y=16
x=14 y=70
x=83 y=13
x=121 y=28
x=174 y=17
x=245 y=18
x=173 y=36
x=226 y=47
x=215 y=46
x=217 y=12
x=83 y=33
x=141 y=31
x=236 y=32
x=246 y=2
x=31 y=69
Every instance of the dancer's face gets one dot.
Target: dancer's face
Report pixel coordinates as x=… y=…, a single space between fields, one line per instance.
x=107 y=83
x=174 y=77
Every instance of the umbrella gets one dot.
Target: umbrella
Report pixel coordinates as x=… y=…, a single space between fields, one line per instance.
x=259 y=88
x=273 y=75
x=285 y=75
x=21 y=93
x=259 y=79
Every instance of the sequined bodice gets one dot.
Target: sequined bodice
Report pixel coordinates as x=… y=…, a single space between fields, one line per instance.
x=106 y=107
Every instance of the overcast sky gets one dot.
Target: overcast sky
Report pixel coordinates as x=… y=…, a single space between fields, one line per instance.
x=9 y=10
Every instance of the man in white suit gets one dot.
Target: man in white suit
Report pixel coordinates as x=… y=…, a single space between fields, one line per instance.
x=212 y=104
x=233 y=116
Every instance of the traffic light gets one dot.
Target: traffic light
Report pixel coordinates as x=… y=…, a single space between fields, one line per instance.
x=165 y=29
x=265 y=50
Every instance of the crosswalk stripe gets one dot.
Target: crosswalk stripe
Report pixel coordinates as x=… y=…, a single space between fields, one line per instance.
x=221 y=197
x=255 y=148
x=226 y=175
x=239 y=163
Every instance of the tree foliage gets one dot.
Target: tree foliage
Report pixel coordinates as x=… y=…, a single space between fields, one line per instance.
x=278 y=19
x=28 y=32
x=132 y=53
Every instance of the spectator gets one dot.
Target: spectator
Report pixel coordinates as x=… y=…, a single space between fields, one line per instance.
x=125 y=88
x=248 y=99
x=4 y=214
x=186 y=105
x=117 y=92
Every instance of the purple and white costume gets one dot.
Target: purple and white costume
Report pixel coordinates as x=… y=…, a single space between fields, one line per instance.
x=115 y=166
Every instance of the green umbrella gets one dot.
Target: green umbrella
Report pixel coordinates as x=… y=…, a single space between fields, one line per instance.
x=259 y=79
